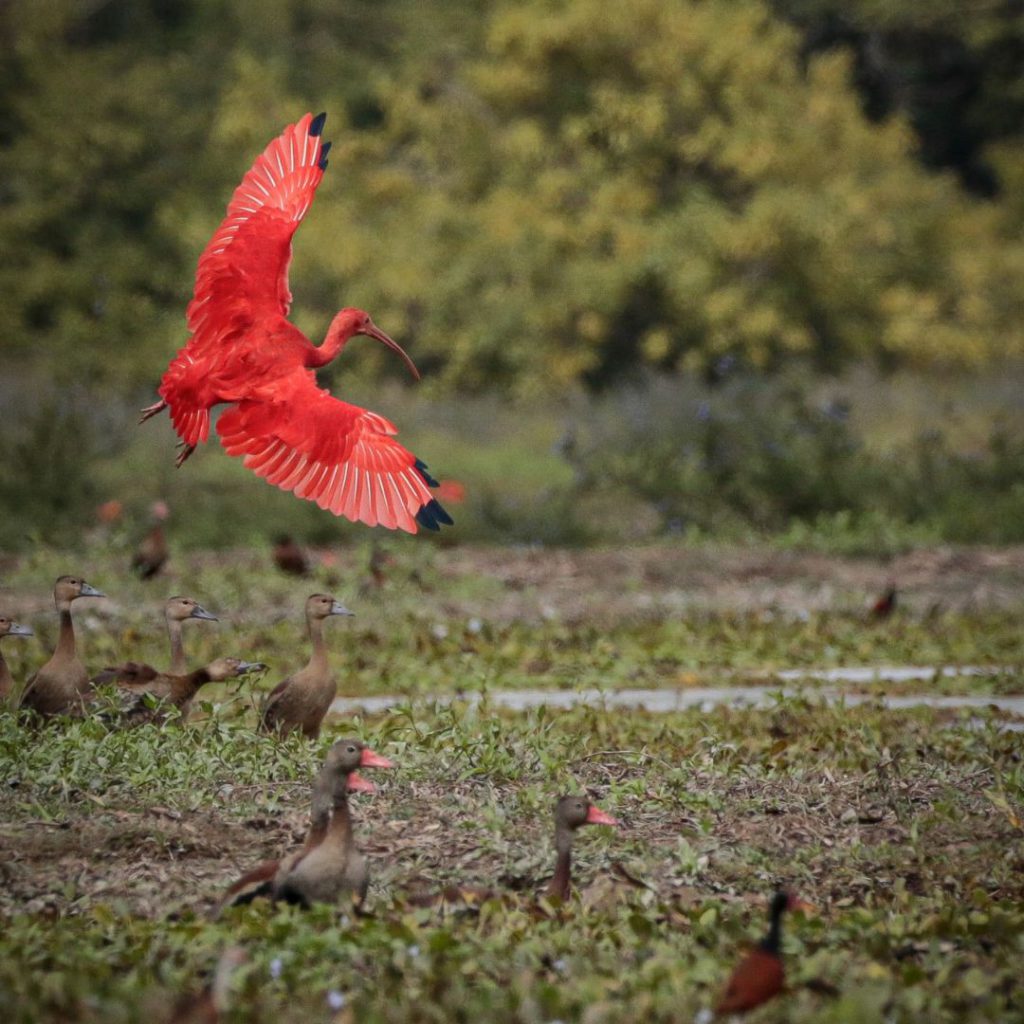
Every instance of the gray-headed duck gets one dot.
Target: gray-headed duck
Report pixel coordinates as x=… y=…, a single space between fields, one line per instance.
x=8 y=627
x=302 y=700
x=59 y=686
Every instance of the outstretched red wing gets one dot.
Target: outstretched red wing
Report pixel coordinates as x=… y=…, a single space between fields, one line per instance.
x=340 y=456
x=243 y=273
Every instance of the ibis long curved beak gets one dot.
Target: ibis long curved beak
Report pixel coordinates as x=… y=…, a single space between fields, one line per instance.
x=199 y=612
x=371 y=330
x=17 y=629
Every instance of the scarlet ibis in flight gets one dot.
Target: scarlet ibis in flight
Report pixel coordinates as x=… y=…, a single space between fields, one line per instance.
x=243 y=351
x=760 y=975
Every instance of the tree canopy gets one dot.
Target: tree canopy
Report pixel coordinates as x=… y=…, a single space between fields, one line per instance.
x=531 y=195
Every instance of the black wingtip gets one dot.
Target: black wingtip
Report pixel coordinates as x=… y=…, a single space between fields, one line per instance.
x=422 y=467
x=316 y=126
x=324 y=150
x=433 y=516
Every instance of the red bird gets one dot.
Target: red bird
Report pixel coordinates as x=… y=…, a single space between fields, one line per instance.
x=885 y=605
x=760 y=975
x=245 y=352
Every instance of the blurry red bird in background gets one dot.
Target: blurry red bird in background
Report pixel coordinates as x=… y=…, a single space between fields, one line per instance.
x=245 y=352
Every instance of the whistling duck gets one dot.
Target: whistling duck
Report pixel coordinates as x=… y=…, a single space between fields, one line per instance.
x=760 y=975
x=260 y=880
x=289 y=557
x=134 y=674
x=8 y=627
x=267 y=878
x=58 y=687
x=151 y=553
x=380 y=560
x=886 y=603
x=155 y=701
x=571 y=813
x=335 y=866
x=302 y=700
x=207 y=1006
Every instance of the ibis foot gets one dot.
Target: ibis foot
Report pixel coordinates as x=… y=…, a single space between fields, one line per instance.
x=151 y=410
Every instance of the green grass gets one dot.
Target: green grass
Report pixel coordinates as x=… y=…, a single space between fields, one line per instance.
x=903 y=829
x=470 y=620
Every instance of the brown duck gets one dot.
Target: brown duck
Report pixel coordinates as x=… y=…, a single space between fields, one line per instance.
x=8 y=627
x=302 y=700
x=59 y=686
x=151 y=553
x=260 y=880
x=338 y=772
x=335 y=867
x=571 y=812
x=168 y=694
x=289 y=557
x=134 y=674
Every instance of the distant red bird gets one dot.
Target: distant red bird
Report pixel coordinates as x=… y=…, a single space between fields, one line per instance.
x=245 y=352
x=886 y=603
x=760 y=976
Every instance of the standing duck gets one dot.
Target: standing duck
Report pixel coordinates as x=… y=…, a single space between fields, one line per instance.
x=260 y=880
x=133 y=674
x=157 y=700
x=59 y=686
x=302 y=700
x=335 y=866
x=151 y=552
x=8 y=627
x=760 y=975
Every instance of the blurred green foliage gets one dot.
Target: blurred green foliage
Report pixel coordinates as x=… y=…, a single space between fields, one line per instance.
x=541 y=199
x=531 y=194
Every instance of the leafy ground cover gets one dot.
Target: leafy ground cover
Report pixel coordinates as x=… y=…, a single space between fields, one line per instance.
x=467 y=619
x=902 y=827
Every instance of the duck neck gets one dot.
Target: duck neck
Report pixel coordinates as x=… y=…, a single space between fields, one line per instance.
x=772 y=942
x=559 y=886
x=318 y=657
x=190 y=683
x=340 y=830
x=66 y=637
x=319 y=811
x=178 y=665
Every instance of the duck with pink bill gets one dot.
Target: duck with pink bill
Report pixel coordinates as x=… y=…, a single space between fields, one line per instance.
x=335 y=869
x=571 y=813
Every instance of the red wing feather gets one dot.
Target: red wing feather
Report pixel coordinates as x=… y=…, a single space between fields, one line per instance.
x=340 y=456
x=243 y=273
